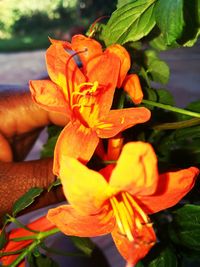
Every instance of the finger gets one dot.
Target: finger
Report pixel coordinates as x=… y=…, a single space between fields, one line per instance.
x=17 y=178
x=19 y=115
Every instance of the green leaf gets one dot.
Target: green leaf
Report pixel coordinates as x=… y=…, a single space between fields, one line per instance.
x=165 y=97
x=169 y=18
x=55 y=183
x=191 y=30
x=130 y=22
x=159 y=43
x=48 y=148
x=185 y=227
x=26 y=200
x=121 y=3
x=3 y=239
x=158 y=69
x=41 y=261
x=84 y=244
x=166 y=258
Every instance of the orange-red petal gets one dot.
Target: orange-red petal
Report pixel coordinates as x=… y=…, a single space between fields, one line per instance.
x=172 y=187
x=92 y=47
x=137 y=165
x=41 y=224
x=75 y=141
x=70 y=222
x=63 y=69
x=119 y=120
x=124 y=58
x=132 y=86
x=133 y=251
x=105 y=70
x=85 y=189
x=49 y=96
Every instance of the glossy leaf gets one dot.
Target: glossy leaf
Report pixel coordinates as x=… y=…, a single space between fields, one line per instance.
x=169 y=18
x=185 y=228
x=130 y=22
x=166 y=258
x=26 y=200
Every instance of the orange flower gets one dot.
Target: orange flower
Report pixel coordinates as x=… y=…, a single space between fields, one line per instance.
x=130 y=83
x=118 y=199
x=85 y=96
x=41 y=224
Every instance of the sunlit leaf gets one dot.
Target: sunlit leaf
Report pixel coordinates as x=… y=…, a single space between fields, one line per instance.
x=169 y=18
x=130 y=22
x=26 y=200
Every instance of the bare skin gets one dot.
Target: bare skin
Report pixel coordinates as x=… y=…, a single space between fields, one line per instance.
x=21 y=120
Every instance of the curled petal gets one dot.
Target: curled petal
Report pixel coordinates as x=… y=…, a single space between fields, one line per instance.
x=119 y=120
x=49 y=96
x=92 y=48
x=85 y=189
x=172 y=187
x=70 y=222
x=137 y=165
x=63 y=69
x=132 y=86
x=75 y=141
x=125 y=61
x=133 y=251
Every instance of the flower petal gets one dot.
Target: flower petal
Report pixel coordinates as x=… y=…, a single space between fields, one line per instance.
x=41 y=224
x=65 y=44
x=70 y=222
x=125 y=61
x=121 y=119
x=85 y=189
x=137 y=165
x=105 y=70
x=92 y=47
x=75 y=141
x=172 y=187
x=132 y=86
x=49 y=96
x=62 y=68
x=133 y=251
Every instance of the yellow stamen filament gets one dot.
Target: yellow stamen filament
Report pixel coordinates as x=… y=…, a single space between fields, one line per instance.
x=114 y=204
x=129 y=216
x=123 y=217
x=137 y=207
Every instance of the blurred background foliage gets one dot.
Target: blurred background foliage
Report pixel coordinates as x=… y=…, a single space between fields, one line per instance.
x=25 y=25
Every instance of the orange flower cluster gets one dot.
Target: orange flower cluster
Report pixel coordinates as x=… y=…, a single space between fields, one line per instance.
x=118 y=198
x=85 y=94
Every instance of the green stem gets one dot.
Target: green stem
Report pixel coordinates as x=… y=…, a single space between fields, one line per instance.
x=38 y=238
x=122 y=98
x=171 y=108
x=177 y=125
x=25 y=253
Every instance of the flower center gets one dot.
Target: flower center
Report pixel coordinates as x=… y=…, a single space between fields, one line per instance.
x=84 y=103
x=129 y=215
